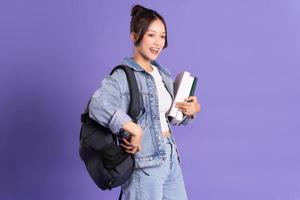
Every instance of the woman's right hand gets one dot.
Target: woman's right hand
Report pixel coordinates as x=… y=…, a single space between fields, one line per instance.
x=136 y=132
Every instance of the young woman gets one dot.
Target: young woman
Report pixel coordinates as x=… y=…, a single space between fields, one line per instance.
x=158 y=174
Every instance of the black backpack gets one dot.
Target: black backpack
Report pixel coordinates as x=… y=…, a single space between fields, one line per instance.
x=107 y=163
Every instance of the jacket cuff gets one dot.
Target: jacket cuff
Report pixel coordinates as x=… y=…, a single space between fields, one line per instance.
x=117 y=121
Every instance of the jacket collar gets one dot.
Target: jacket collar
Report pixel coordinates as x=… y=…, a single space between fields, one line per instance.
x=131 y=63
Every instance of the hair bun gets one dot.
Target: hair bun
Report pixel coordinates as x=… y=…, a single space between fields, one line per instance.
x=136 y=9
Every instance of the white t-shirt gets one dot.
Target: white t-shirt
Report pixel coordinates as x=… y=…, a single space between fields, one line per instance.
x=164 y=98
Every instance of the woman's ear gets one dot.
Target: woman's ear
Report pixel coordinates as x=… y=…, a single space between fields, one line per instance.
x=133 y=37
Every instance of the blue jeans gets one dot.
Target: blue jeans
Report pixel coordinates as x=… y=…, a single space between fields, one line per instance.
x=165 y=182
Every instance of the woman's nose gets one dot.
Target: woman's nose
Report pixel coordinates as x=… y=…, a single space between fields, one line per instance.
x=157 y=42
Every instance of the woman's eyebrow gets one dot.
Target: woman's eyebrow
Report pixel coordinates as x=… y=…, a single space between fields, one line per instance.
x=149 y=30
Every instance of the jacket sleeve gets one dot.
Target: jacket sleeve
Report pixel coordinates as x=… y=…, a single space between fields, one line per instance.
x=105 y=105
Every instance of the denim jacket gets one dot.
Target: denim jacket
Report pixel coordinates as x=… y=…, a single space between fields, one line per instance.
x=110 y=102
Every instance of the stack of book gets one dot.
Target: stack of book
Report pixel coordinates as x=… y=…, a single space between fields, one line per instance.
x=184 y=86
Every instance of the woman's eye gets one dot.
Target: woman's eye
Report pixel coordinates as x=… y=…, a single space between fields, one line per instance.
x=163 y=37
x=151 y=35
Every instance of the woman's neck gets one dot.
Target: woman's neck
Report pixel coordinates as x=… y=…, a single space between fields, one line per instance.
x=144 y=63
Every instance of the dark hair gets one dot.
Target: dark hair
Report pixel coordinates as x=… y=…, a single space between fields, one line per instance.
x=141 y=18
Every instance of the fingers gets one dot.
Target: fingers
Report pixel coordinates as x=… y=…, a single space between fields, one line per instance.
x=126 y=142
x=133 y=150
x=182 y=105
x=185 y=107
x=130 y=148
x=187 y=102
x=133 y=145
x=126 y=147
x=190 y=100
x=188 y=111
x=190 y=106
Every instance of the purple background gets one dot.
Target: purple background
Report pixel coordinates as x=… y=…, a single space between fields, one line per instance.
x=243 y=145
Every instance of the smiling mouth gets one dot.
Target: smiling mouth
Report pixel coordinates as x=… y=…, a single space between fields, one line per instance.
x=154 y=50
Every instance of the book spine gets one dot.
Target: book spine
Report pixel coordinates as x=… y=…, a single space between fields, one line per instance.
x=192 y=93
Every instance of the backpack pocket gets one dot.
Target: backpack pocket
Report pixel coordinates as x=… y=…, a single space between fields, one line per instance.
x=112 y=155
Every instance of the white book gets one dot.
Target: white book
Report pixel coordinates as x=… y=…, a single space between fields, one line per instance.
x=182 y=88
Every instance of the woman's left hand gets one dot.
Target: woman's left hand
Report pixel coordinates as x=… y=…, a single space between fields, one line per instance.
x=190 y=106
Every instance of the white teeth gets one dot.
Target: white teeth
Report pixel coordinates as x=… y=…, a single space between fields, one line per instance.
x=154 y=50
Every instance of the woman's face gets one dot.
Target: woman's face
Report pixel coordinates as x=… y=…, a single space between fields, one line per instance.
x=153 y=41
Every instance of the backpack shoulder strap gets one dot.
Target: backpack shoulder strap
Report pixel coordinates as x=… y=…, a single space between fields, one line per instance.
x=134 y=105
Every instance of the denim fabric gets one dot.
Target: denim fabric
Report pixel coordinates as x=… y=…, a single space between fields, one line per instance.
x=110 y=103
x=165 y=182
